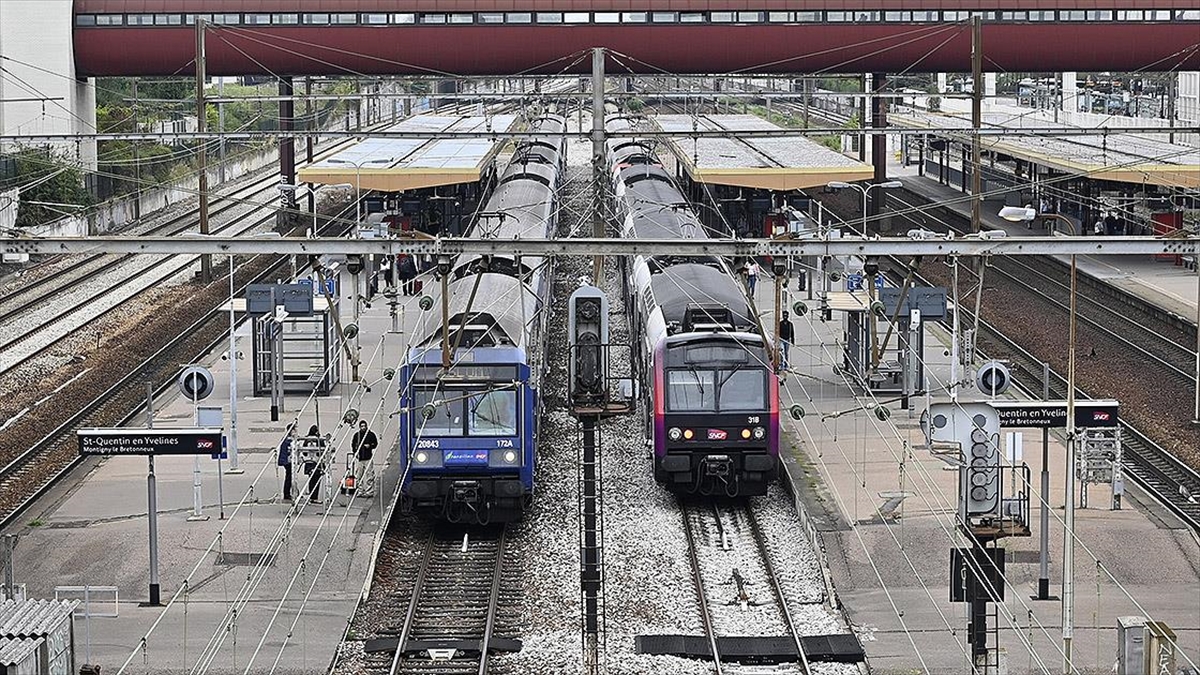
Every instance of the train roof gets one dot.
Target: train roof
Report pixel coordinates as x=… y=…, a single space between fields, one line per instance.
x=500 y=306
x=691 y=284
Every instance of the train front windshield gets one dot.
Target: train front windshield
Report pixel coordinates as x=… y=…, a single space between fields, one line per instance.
x=464 y=412
x=733 y=389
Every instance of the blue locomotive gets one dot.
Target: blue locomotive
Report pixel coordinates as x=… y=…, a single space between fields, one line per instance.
x=468 y=433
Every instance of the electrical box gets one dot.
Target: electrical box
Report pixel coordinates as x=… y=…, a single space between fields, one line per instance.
x=1131 y=645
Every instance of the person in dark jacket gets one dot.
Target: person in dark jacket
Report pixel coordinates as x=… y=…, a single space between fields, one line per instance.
x=285 y=460
x=787 y=333
x=406 y=271
x=364 y=444
x=315 y=468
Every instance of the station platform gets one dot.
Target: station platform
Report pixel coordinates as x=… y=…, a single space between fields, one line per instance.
x=776 y=163
x=273 y=582
x=885 y=508
x=401 y=164
x=1122 y=158
x=1166 y=283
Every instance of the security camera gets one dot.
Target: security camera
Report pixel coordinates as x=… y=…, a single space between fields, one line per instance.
x=354 y=264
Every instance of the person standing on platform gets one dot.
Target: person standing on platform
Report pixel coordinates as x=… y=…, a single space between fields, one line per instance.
x=787 y=333
x=285 y=460
x=364 y=444
x=752 y=275
x=315 y=468
x=1098 y=228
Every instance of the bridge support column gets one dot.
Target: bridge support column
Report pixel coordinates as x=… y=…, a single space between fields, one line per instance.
x=878 y=144
x=287 y=150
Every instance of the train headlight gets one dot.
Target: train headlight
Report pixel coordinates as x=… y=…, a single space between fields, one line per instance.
x=421 y=457
x=687 y=433
x=510 y=457
x=745 y=433
x=674 y=433
x=760 y=433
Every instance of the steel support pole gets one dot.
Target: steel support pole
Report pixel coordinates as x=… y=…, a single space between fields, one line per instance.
x=1068 y=584
x=202 y=149
x=1043 y=592
x=590 y=574
x=976 y=119
x=233 y=375
x=878 y=140
x=152 y=505
x=197 y=477
x=10 y=587
x=598 y=172
x=1196 y=410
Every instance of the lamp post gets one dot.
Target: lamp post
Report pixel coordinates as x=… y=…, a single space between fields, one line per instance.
x=865 y=190
x=383 y=161
x=1019 y=214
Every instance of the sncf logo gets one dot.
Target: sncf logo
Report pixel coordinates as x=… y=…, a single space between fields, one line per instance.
x=205 y=444
x=1100 y=416
x=717 y=434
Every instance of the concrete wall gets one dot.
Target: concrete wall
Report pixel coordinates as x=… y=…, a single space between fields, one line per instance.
x=122 y=211
x=36 y=38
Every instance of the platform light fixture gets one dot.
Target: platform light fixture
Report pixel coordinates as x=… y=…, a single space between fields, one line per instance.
x=1017 y=214
x=865 y=190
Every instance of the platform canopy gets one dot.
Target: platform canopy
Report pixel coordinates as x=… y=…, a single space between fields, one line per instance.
x=1122 y=158
x=401 y=164
x=781 y=163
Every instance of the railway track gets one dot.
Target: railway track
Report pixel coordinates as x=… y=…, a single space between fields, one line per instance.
x=1170 y=480
x=452 y=617
x=737 y=589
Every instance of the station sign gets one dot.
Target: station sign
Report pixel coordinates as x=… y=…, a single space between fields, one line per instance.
x=330 y=287
x=854 y=281
x=1053 y=414
x=128 y=441
x=297 y=299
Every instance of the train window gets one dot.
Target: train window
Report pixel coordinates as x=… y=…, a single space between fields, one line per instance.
x=780 y=17
x=808 y=17
x=691 y=17
x=447 y=408
x=85 y=20
x=633 y=17
x=258 y=19
x=838 y=17
x=720 y=17
x=343 y=19
x=608 y=17
x=491 y=17
x=743 y=389
x=404 y=18
x=577 y=17
x=549 y=17
x=690 y=390
x=374 y=19
x=492 y=413
x=1130 y=15
x=168 y=20
x=285 y=19
x=316 y=19
x=749 y=17
x=140 y=20
x=897 y=17
x=1100 y=15
x=462 y=18
x=664 y=17
x=433 y=18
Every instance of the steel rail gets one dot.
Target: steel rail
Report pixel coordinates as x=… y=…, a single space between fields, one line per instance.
x=777 y=586
x=698 y=579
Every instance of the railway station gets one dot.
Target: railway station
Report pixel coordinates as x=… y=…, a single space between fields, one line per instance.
x=387 y=337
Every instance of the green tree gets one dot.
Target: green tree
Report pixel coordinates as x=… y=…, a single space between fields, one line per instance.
x=45 y=176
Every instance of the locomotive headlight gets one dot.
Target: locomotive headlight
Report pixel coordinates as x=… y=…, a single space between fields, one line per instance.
x=421 y=457
x=674 y=433
x=510 y=457
x=687 y=433
x=745 y=433
x=760 y=433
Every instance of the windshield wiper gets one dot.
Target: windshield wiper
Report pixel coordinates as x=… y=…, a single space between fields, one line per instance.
x=695 y=371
